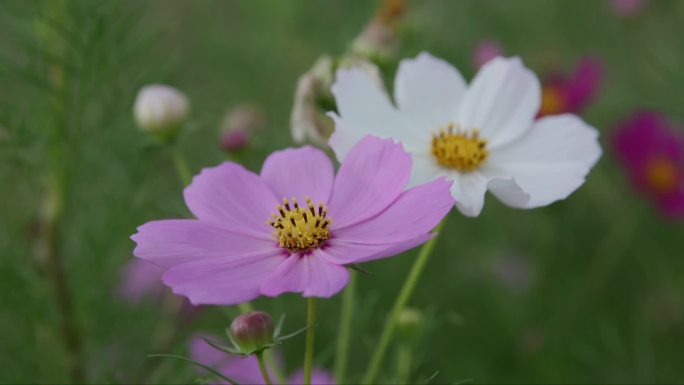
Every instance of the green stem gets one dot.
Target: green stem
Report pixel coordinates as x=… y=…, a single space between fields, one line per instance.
x=344 y=333
x=404 y=358
x=399 y=305
x=308 y=354
x=245 y=307
x=181 y=166
x=263 y=368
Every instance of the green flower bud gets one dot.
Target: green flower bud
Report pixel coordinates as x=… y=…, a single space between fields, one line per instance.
x=252 y=331
x=410 y=323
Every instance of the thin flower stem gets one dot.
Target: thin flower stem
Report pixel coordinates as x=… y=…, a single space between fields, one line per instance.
x=308 y=354
x=399 y=304
x=344 y=334
x=245 y=307
x=404 y=362
x=181 y=165
x=263 y=368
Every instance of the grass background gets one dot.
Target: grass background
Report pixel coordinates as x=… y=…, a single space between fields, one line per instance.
x=604 y=301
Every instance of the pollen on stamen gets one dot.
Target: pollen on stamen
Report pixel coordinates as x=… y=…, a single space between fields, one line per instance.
x=462 y=151
x=300 y=228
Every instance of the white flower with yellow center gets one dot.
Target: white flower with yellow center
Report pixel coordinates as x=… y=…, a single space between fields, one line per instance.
x=483 y=136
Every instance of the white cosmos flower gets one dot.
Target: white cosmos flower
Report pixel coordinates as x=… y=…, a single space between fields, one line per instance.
x=483 y=136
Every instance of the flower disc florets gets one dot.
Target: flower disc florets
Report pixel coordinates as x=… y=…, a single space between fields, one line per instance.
x=299 y=229
x=461 y=151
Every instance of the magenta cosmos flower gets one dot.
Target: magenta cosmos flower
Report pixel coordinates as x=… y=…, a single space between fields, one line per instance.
x=293 y=227
x=245 y=370
x=571 y=93
x=652 y=152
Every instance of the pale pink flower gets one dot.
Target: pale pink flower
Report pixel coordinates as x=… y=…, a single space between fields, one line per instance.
x=295 y=226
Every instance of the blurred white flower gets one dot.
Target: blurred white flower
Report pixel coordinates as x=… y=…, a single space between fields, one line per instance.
x=482 y=137
x=160 y=109
x=239 y=125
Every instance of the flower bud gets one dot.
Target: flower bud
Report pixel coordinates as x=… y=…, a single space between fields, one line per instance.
x=238 y=126
x=410 y=323
x=379 y=39
x=252 y=331
x=160 y=110
x=308 y=120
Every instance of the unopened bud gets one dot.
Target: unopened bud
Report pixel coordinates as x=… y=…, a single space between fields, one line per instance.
x=308 y=120
x=410 y=323
x=160 y=110
x=252 y=331
x=239 y=125
x=379 y=38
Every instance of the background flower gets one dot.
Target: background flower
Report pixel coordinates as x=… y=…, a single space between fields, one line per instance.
x=651 y=150
x=571 y=93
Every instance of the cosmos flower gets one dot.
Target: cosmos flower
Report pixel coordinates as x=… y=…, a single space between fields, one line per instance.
x=482 y=137
x=563 y=93
x=245 y=370
x=486 y=50
x=140 y=280
x=294 y=227
x=626 y=8
x=652 y=153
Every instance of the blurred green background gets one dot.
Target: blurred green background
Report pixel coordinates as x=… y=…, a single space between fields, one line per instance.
x=588 y=290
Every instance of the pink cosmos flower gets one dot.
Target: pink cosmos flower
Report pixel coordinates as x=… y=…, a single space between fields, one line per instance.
x=486 y=50
x=245 y=370
x=140 y=280
x=295 y=226
x=652 y=152
x=626 y=8
x=563 y=94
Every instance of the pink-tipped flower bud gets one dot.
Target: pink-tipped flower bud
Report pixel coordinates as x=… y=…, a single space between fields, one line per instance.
x=252 y=331
x=160 y=110
x=239 y=125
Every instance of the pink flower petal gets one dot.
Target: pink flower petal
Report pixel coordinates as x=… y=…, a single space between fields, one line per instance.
x=318 y=377
x=309 y=274
x=233 y=196
x=171 y=242
x=373 y=175
x=344 y=253
x=415 y=212
x=223 y=281
x=140 y=280
x=244 y=370
x=300 y=172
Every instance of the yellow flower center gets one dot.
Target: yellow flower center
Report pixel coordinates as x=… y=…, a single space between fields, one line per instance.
x=300 y=229
x=463 y=152
x=552 y=102
x=662 y=175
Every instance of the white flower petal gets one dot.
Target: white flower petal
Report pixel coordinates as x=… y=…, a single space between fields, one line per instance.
x=428 y=91
x=501 y=102
x=469 y=192
x=549 y=162
x=365 y=109
x=425 y=169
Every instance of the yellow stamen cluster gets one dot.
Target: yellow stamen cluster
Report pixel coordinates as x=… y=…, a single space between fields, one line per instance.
x=300 y=228
x=464 y=152
x=661 y=174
